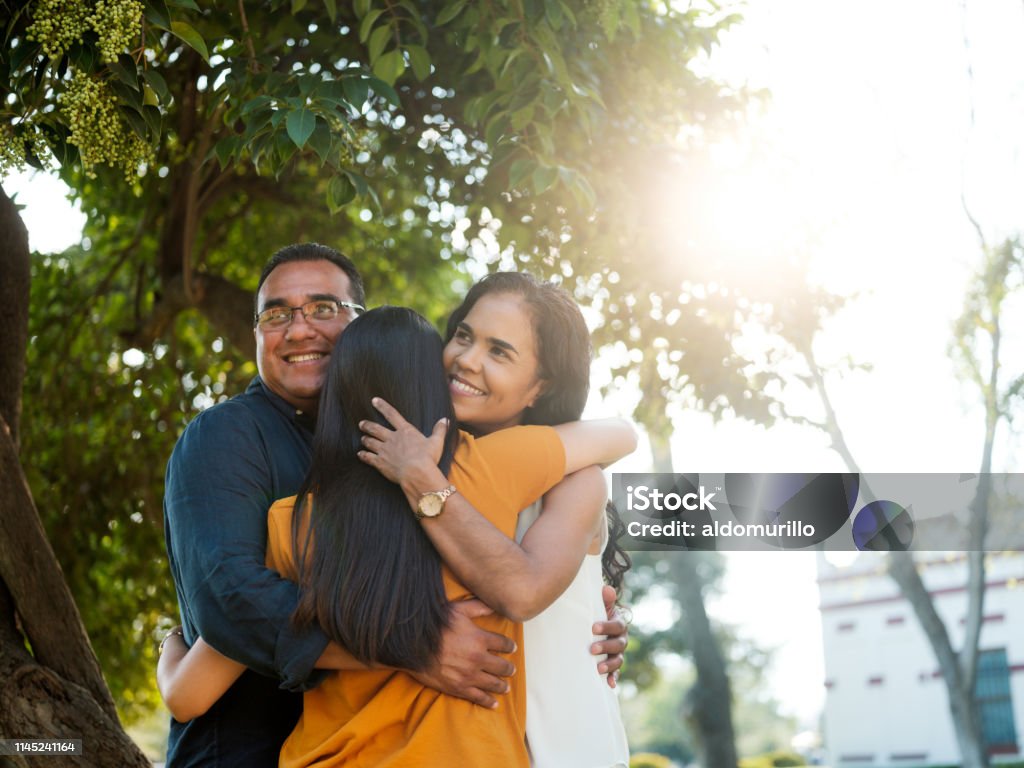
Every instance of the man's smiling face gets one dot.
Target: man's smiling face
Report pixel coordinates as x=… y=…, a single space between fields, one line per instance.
x=292 y=361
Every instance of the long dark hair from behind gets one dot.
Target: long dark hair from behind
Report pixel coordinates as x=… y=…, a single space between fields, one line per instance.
x=564 y=354
x=368 y=575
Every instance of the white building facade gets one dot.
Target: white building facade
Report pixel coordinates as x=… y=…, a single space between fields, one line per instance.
x=886 y=703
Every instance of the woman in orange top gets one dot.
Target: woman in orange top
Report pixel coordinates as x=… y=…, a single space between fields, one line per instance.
x=372 y=580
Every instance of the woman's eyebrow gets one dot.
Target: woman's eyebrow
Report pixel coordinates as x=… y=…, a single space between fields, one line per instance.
x=464 y=326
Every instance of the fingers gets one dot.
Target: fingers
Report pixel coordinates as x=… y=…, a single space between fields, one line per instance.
x=610 y=646
x=608 y=595
x=477 y=696
x=371 y=443
x=471 y=609
x=440 y=429
x=388 y=412
x=374 y=429
x=612 y=628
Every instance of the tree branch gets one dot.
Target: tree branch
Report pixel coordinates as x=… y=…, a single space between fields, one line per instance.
x=15 y=283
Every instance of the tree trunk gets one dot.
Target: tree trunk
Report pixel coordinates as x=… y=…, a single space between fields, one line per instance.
x=57 y=689
x=958 y=669
x=708 y=704
x=661 y=451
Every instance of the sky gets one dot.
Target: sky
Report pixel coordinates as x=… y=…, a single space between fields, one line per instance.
x=870 y=143
x=864 y=149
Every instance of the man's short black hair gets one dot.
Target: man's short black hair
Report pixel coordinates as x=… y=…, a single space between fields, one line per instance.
x=315 y=252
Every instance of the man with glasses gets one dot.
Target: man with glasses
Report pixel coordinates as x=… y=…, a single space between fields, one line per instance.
x=231 y=462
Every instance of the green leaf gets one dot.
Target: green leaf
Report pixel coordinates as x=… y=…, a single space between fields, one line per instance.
x=553 y=13
x=136 y=122
x=366 y=25
x=340 y=192
x=384 y=90
x=449 y=12
x=190 y=4
x=225 y=150
x=420 y=60
x=127 y=96
x=332 y=10
x=149 y=96
x=298 y=5
x=496 y=127
x=154 y=120
x=320 y=140
x=357 y=91
x=157 y=14
x=543 y=178
x=258 y=103
x=128 y=78
x=190 y=37
x=378 y=40
x=361 y=186
x=584 y=193
x=415 y=18
x=361 y=7
x=519 y=170
x=390 y=66
x=300 y=124
x=156 y=81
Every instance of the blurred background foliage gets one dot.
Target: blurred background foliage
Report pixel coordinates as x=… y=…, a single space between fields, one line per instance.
x=432 y=142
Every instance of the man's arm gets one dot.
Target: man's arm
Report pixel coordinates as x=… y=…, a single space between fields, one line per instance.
x=219 y=482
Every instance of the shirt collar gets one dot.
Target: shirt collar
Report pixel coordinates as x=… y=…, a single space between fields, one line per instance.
x=304 y=419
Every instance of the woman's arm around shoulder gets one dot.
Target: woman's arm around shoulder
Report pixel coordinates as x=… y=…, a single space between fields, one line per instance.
x=192 y=679
x=596 y=441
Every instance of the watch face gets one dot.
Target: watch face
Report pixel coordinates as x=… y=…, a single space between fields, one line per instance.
x=431 y=504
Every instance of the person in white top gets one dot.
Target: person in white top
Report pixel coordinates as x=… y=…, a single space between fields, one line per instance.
x=518 y=352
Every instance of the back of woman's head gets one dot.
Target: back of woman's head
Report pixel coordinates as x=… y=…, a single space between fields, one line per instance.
x=368 y=574
x=562 y=338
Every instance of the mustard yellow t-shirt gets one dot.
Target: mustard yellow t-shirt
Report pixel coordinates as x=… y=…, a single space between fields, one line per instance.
x=386 y=718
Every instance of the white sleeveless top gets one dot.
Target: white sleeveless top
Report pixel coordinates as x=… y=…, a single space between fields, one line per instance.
x=572 y=716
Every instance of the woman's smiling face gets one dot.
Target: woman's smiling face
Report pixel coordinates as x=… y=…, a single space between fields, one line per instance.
x=492 y=364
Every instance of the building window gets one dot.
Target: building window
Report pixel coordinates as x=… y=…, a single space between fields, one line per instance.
x=992 y=691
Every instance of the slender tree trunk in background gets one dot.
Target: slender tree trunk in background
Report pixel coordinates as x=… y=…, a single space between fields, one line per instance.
x=56 y=691
x=708 y=705
x=959 y=669
x=661 y=451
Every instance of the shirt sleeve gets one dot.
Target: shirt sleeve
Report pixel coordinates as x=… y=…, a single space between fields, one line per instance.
x=521 y=464
x=218 y=490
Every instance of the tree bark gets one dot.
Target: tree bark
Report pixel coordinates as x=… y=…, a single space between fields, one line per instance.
x=57 y=689
x=228 y=307
x=958 y=669
x=708 y=704
x=15 y=274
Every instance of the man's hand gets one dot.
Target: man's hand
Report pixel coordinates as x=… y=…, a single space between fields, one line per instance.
x=467 y=666
x=617 y=638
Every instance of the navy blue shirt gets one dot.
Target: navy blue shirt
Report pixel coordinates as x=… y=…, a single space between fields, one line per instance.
x=229 y=465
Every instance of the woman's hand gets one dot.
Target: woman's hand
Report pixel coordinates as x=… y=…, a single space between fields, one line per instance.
x=396 y=452
x=404 y=455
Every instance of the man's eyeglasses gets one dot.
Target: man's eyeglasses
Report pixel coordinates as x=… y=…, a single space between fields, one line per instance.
x=321 y=311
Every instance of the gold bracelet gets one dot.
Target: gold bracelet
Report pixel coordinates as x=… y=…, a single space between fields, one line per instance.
x=175 y=631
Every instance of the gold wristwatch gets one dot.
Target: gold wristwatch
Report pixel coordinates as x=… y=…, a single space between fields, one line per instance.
x=431 y=503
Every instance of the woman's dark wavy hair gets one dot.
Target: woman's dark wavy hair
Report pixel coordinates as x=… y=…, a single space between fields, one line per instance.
x=368 y=574
x=564 y=354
